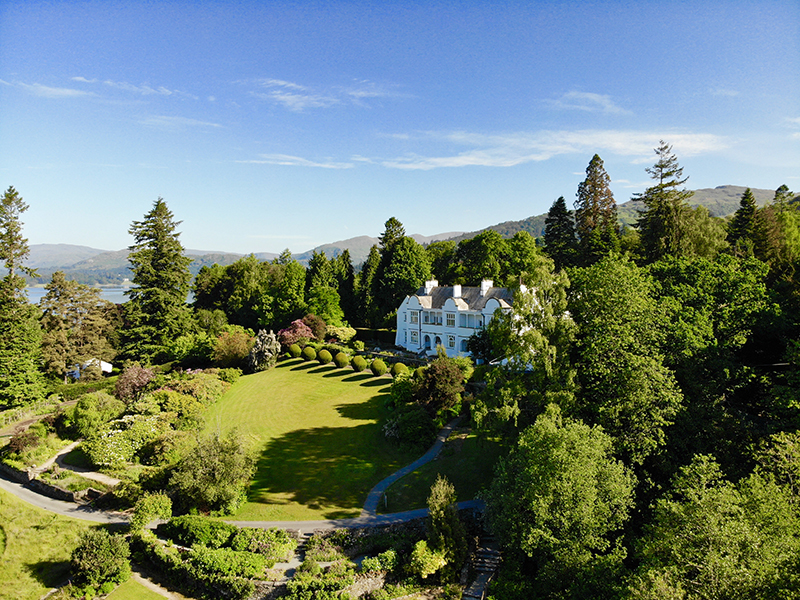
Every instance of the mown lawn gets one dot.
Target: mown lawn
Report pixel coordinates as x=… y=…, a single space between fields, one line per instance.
x=466 y=460
x=133 y=590
x=35 y=547
x=317 y=432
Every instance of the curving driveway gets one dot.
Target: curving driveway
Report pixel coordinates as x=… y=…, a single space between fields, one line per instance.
x=367 y=518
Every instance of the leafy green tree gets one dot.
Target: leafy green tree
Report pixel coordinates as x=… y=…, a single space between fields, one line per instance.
x=560 y=242
x=482 y=257
x=596 y=214
x=319 y=271
x=446 y=534
x=535 y=337
x=522 y=257
x=215 y=475
x=661 y=222
x=289 y=286
x=624 y=384
x=324 y=302
x=404 y=268
x=562 y=499
x=74 y=325
x=20 y=336
x=156 y=311
x=101 y=557
x=704 y=236
x=714 y=539
x=440 y=386
x=444 y=264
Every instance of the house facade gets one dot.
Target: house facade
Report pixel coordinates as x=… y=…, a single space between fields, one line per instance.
x=447 y=316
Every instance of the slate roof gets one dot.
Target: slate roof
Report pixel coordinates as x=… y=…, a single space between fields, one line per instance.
x=470 y=299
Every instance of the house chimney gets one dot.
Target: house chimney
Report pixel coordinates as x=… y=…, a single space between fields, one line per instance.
x=457 y=290
x=429 y=285
x=486 y=285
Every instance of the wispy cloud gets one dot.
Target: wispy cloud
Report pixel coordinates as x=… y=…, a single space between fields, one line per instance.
x=723 y=92
x=173 y=123
x=146 y=89
x=297 y=97
x=587 y=102
x=84 y=80
x=296 y=161
x=45 y=91
x=507 y=150
x=795 y=121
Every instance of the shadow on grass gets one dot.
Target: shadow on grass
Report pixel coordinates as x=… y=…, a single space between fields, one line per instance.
x=304 y=366
x=324 y=369
x=339 y=373
x=377 y=382
x=369 y=410
x=288 y=362
x=49 y=573
x=359 y=377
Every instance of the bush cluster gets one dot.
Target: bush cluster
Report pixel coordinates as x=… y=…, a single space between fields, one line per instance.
x=190 y=578
x=359 y=363
x=378 y=367
x=324 y=357
x=230 y=375
x=342 y=360
x=294 y=351
x=190 y=530
x=311 y=581
x=274 y=544
x=227 y=561
x=398 y=368
x=309 y=353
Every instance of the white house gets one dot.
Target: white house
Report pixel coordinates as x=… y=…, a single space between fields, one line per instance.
x=447 y=316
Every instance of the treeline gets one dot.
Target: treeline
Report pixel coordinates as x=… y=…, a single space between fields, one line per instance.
x=651 y=402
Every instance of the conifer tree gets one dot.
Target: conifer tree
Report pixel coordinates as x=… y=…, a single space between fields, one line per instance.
x=20 y=336
x=560 y=242
x=741 y=228
x=157 y=310
x=596 y=214
x=661 y=222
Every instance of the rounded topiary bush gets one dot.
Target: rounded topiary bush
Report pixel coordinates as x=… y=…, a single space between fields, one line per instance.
x=398 y=368
x=341 y=360
x=324 y=357
x=378 y=367
x=309 y=353
x=295 y=351
x=359 y=364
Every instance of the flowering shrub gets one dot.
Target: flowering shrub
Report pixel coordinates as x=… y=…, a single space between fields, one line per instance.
x=133 y=382
x=118 y=445
x=341 y=334
x=296 y=333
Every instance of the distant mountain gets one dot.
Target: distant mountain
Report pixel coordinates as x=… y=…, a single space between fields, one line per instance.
x=721 y=201
x=45 y=256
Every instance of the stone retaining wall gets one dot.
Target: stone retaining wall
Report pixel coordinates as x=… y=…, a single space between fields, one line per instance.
x=37 y=485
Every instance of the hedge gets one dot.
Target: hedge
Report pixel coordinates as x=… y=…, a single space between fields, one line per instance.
x=398 y=368
x=324 y=357
x=309 y=353
x=359 y=363
x=295 y=351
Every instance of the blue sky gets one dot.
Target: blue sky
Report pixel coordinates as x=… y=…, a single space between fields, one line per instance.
x=267 y=125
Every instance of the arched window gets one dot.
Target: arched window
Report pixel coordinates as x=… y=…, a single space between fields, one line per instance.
x=463 y=345
x=427 y=342
x=438 y=341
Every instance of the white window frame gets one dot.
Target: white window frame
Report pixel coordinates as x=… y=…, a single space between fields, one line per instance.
x=451 y=319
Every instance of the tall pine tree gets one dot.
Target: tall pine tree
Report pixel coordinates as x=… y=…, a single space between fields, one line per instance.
x=20 y=336
x=741 y=228
x=596 y=214
x=157 y=310
x=661 y=223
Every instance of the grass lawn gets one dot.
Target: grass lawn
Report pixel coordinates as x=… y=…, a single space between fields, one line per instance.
x=318 y=435
x=35 y=546
x=465 y=460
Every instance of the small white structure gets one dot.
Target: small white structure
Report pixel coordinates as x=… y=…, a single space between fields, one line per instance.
x=447 y=316
x=96 y=362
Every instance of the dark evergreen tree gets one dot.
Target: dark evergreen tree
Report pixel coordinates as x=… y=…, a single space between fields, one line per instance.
x=661 y=223
x=365 y=298
x=404 y=268
x=596 y=214
x=393 y=232
x=345 y=278
x=20 y=379
x=319 y=271
x=741 y=228
x=157 y=310
x=560 y=242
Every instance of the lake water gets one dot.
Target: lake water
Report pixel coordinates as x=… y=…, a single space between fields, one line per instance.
x=112 y=294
